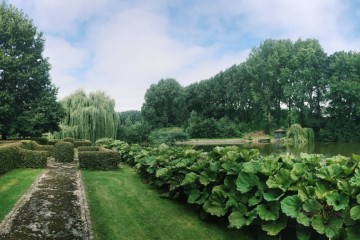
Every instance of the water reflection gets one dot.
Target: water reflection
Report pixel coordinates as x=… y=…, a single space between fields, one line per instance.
x=328 y=149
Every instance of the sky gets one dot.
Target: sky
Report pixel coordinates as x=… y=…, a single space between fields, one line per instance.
x=121 y=47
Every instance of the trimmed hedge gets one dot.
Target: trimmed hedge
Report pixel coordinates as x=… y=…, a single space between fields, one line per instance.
x=18 y=155
x=84 y=149
x=64 y=151
x=82 y=143
x=99 y=160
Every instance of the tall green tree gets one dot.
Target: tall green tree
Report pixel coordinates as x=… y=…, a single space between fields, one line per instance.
x=164 y=104
x=27 y=96
x=89 y=116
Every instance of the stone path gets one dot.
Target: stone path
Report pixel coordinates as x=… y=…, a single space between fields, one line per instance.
x=54 y=207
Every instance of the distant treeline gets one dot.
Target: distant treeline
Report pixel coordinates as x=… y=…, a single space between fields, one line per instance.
x=280 y=83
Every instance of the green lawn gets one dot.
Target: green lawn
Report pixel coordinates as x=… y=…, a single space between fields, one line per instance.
x=13 y=185
x=122 y=207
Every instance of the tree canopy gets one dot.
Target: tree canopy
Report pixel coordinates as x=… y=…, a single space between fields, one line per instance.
x=27 y=96
x=164 y=104
x=88 y=116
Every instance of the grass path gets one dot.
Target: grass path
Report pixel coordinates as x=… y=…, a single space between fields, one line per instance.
x=13 y=185
x=122 y=207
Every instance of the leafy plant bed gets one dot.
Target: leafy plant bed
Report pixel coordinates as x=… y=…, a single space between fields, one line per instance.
x=122 y=207
x=308 y=197
x=13 y=185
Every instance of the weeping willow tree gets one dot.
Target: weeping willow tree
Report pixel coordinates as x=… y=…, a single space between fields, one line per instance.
x=88 y=116
x=297 y=135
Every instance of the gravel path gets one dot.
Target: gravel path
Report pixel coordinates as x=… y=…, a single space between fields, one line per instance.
x=54 y=207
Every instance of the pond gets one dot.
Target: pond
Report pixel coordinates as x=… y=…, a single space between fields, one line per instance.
x=328 y=149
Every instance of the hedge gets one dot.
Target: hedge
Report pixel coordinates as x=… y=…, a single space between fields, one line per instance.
x=99 y=160
x=15 y=155
x=82 y=143
x=90 y=148
x=64 y=151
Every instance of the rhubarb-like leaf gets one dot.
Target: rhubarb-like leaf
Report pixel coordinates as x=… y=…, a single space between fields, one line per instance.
x=291 y=206
x=269 y=211
x=246 y=181
x=329 y=227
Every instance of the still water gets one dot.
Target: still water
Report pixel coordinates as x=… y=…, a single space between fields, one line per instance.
x=328 y=149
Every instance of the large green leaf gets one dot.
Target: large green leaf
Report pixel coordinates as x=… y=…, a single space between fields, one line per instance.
x=355 y=180
x=330 y=227
x=269 y=166
x=355 y=212
x=189 y=178
x=256 y=198
x=321 y=190
x=214 y=208
x=161 y=172
x=304 y=219
x=312 y=206
x=273 y=194
x=337 y=201
x=238 y=219
x=280 y=180
x=291 y=206
x=297 y=171
x=196 y=196
x=246 y=181
x=273 y=228
x=330 y=173
x=306 y=192
x=251 y=167
x=269 y=211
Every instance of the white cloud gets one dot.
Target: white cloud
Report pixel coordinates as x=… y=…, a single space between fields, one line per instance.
x=122 y=47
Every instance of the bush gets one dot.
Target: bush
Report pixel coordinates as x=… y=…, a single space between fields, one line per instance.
x=33 y=159
x=20 y=155
x=9 y=157
x=82 y=143
x=68 y=139
x=84 y=149
x=167 y=135
x=99 y=160
x=64 y=151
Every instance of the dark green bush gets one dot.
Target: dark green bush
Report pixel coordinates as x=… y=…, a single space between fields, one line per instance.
x=41 y=140
x=32 y=159
x=68 y=139
x=84 y=149
x=82 y=143
x=9 y=157
x=64 y=151
x=53 y=141
x=99 y=160
x=21 y=155
x=167 y=135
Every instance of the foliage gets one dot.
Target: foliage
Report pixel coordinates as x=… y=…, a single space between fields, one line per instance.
x=201 y=127
x=134 y=132
x=98 y=159
x=319 y=195
x=298 y=136
x=64 y=151
x=88 y=116
x=23 y=155
x=167 y=135
x=28 y=98
x=164 y=104
x=82 y=143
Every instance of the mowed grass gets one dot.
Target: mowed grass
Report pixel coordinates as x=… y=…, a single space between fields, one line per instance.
x=122 y=207
x=13 y=185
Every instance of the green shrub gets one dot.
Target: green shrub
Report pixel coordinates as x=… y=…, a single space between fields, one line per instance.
x=53 y=141
x=85 y=149
x=68 y=139
x=64 y=151
x=167 y=135
x=41 y=140
x=32 y=159
x=82 y=143
x=99 y=160
x=9 y=157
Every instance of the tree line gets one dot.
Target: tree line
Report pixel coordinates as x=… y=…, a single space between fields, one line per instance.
x=281 y=83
